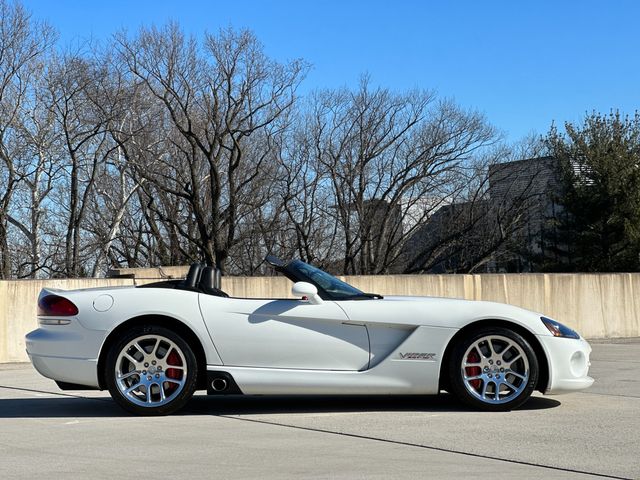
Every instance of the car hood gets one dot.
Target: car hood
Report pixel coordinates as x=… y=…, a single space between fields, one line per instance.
x=439 y=312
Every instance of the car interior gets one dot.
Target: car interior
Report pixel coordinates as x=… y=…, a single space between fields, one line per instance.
x=200 y=278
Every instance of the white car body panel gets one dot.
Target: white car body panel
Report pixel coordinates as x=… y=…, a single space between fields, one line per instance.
x=392 y=376
x=439 y=312
x=393 y=345
x=570 y=365
x=284 y=334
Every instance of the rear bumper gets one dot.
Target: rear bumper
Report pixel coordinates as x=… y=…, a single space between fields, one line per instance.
x=49 y=349
x=81 y=371
x=568 y=364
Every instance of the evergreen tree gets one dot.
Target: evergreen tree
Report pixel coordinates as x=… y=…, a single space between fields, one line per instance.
x=597 y=227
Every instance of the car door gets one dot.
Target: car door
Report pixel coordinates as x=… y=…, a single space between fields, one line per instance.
x=284 y=334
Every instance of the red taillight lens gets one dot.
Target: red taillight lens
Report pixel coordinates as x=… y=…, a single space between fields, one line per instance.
x=55 y=306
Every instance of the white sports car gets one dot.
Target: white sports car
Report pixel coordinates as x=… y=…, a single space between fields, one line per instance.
x=153 y=346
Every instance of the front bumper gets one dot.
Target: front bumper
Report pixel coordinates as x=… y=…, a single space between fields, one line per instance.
x=568 y=364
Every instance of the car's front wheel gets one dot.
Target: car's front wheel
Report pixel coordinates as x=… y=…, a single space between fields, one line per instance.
x=151 y=370
x=493 y=369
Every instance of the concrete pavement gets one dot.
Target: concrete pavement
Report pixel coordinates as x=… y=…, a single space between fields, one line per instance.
x=45 y=432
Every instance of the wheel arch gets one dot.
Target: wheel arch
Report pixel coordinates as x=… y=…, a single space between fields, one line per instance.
x=543 y=361
x=166 y=321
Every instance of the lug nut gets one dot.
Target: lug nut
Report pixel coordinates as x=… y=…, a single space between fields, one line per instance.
x=153 y=363
x=499 y=362
x=498 y=375
x=502 y=369
x=146 y=364
x=149 y=377
x=490 y=362
x=157 y=375
x=144 y=372
x=489 y=375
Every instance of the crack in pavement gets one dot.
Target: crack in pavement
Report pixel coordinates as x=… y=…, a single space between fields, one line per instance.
x=426 y=447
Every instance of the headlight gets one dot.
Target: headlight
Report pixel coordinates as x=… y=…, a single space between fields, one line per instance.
x=559 y=330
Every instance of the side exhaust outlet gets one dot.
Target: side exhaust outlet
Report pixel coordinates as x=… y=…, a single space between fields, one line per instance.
x=219 y=384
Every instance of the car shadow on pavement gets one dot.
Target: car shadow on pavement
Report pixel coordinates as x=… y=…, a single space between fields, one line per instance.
x=285 y=404
x=59 y=407
x=82 y=407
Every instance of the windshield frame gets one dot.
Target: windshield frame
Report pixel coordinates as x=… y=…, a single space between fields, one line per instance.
x=329 y=287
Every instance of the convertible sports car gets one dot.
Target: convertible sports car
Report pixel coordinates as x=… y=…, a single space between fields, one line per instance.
x=153 y=346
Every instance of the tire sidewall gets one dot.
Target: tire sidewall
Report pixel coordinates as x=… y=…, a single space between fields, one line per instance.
x=192 y=371
x=457 y=382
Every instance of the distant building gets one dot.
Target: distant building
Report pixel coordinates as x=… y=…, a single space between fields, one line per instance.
x=504 y=230
x=442 y=243
x=531 y=186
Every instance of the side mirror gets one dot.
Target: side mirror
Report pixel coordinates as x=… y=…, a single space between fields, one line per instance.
x=306 y=291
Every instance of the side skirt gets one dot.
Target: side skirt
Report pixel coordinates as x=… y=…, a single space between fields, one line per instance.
x=273 y=381
x=74 y=386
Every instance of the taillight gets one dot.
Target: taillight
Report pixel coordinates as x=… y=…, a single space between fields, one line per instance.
x=55 y=306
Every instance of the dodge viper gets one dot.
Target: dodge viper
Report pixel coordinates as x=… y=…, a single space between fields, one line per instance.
x=152 y=346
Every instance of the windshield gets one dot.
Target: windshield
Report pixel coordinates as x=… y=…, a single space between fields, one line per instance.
x=336 y=288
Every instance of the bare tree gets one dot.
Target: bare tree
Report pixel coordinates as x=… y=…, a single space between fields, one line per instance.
x=39 y=165
x=307 y=226
x=386 y=161
x=22 y=42
x=87 y=146
x=127 y=115
x=216 y=97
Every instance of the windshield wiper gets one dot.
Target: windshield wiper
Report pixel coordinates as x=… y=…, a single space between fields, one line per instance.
x=362 y=296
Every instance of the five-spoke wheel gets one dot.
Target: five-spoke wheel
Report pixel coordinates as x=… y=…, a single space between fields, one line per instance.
x=493 y=369
x=151 y=370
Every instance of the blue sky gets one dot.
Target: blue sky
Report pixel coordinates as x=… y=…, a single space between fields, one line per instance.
x=524 y=64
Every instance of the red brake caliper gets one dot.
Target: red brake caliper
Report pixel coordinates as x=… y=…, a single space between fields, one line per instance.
x=173 y=359
x=473 y=357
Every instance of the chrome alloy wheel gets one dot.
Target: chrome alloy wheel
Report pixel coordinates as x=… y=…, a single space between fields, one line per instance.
x=150 y=371
x=495 y=369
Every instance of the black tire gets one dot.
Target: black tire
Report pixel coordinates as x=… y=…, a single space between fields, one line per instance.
x=476 y=372
x=160 y=384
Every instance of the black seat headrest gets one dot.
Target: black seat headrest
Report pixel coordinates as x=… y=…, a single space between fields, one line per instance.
x=193 y=277
x=207 y=279
x=217 y=281
x=210 y=281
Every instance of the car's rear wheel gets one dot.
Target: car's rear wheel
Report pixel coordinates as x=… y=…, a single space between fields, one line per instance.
x=151 y=370
x=493 y=369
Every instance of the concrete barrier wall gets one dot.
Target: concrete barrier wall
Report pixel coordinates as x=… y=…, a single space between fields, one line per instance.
x=598 y=305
